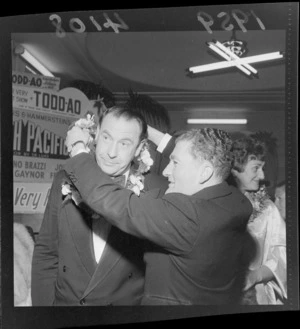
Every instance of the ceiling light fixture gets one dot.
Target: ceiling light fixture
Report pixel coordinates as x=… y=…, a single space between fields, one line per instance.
x=231 y=53
x=227 y=56
x=218 y=121
x=20 y=50
x=30 y=69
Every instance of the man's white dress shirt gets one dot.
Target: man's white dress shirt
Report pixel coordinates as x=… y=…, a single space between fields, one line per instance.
x=101 y=229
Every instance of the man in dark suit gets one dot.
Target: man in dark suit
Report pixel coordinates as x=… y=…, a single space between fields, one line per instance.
x=79 y=258
x=197 y=229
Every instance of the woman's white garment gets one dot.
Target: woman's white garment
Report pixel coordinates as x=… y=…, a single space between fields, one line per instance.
x=23 y=251
x=269 y=232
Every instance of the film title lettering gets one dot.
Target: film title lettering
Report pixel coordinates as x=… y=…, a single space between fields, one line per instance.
x=17 y=135
x=31 y=140
x=18 y=164
x=35 y=165
x=57 y=103
x=24 y=80
x=29 y=174
x=25 y=199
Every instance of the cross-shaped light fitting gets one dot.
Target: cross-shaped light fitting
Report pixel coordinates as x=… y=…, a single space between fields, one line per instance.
x=233 y=60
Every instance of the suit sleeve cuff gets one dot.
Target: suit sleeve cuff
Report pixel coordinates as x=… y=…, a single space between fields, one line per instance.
x=163 y=143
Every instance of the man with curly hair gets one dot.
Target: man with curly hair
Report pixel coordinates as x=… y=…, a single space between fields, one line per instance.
x=197 y=229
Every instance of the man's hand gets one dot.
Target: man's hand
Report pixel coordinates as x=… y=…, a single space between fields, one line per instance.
x=77 y=140
x=262 y=274
x=251 y=279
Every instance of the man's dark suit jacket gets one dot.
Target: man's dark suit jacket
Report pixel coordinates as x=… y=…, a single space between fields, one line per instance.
x=199 y=239
x=64 y=270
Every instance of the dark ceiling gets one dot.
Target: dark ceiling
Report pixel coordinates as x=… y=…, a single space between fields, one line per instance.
x=156 y=61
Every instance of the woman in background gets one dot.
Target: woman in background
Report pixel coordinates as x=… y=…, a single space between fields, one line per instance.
x=266 y=276
x=280 y=199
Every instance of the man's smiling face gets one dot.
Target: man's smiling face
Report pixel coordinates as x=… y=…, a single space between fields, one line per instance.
x=182 y=170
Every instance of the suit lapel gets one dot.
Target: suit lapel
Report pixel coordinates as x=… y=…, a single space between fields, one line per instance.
x=112 y=253
x=82 y=237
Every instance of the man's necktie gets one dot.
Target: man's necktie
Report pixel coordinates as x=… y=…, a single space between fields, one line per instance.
x=120 y=180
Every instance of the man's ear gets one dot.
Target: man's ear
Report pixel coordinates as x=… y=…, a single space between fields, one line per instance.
x=206 y=172
x=139 y=148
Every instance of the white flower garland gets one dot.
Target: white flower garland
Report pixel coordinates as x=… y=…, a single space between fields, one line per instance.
x=258 y=200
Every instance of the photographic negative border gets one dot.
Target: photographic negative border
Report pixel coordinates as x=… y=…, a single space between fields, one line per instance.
x=279 y=16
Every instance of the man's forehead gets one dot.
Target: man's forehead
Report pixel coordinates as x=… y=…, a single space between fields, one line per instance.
x=181 y=147
x=120 y=125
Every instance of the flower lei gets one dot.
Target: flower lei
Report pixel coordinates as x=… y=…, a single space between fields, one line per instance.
x=88 y=123
x=258 y=200
x=135 y=180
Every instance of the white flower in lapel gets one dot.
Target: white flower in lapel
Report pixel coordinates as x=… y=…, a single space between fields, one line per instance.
x=67 y=191
x=146 y=159
x=136 y=184
x=136 y=180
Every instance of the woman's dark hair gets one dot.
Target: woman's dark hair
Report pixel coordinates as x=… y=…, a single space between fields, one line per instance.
x=246 y=149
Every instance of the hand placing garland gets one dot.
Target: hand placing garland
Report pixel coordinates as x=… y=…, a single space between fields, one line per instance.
x=82 y=131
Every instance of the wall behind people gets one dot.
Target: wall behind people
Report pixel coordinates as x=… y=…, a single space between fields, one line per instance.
x=265 y=111
x=42 y=113
x=43 y=109
x=156 y=116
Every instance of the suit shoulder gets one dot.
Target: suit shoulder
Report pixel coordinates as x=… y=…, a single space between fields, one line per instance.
x=155 y=180
x=243 y=204
x=58 y=179
x=59 y=176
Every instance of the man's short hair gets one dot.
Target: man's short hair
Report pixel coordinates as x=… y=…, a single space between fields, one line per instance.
x=246 y=149
x=126 y=113
x=155 y=114
x=213 y=145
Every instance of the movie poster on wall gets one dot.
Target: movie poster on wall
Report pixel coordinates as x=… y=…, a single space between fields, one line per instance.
x=35 y=81
x=41 y=117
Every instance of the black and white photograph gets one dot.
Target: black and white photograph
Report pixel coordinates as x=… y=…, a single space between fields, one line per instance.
x=149 y=165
